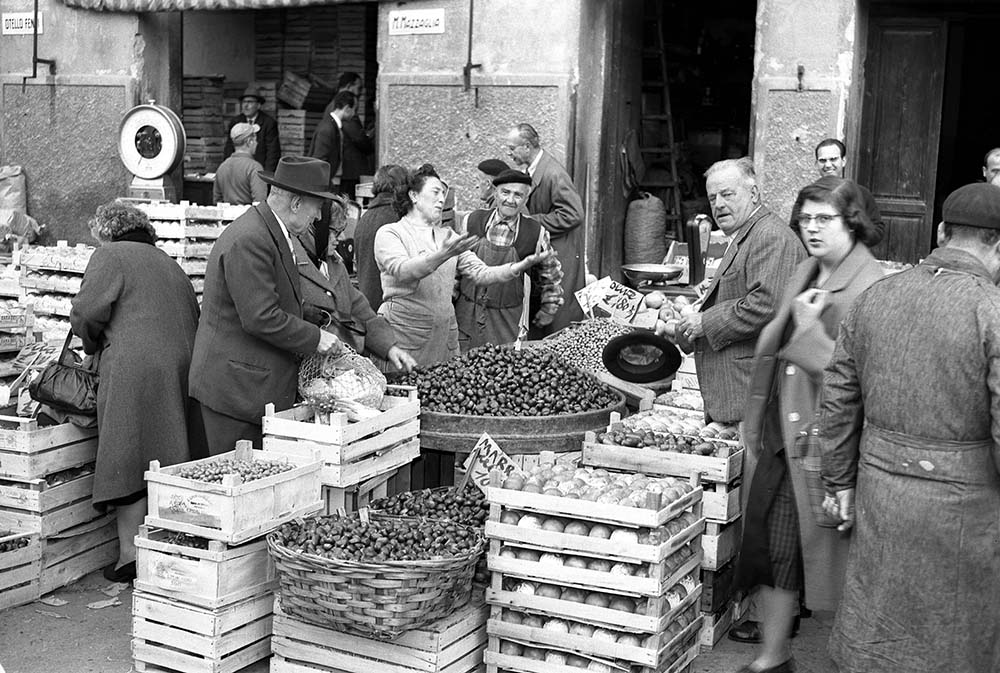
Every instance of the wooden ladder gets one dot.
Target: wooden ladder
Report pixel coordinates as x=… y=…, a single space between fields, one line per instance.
x=656 y=113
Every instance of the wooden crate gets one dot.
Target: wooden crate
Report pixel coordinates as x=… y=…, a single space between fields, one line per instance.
x=721 y=502
x=20 y=570
x=654 y=650
x=719 y=544
x=660 y=577
x=233 y=512
x=717 y=587
x=453 y=644
x=655 y=462
x=28 y=451
x=714 y=625
x=77 y=552
x=616 y=515
x=352 y=452
x=215 y=577
x=33 y=505
x=356 y=497
x=170 y=636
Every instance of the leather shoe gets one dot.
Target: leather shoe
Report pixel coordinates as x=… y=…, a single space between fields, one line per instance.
x=784 y=667
x=749 y=631
x=125 y=574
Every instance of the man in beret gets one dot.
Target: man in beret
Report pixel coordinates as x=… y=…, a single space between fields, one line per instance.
x=910 y=431
x=501 y=313
x=237 y=180
x=268 y=143
x=489 y=169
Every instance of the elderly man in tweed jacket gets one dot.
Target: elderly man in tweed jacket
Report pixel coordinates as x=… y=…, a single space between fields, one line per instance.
x=744 y=294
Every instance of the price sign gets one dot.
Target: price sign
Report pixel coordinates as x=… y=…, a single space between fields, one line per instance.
x=486 y=457
x=612 y=299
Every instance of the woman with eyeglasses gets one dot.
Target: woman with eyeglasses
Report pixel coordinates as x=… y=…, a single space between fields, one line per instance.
x=788 y=543
x=418 y=259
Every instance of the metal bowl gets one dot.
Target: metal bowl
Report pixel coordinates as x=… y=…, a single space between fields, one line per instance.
x=652 y=273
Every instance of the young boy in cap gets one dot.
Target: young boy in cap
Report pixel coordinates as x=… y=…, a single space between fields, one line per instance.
x=237 y=179
x=500 y=313
x=268 y=145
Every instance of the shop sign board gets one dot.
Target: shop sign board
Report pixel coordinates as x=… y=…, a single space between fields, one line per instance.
x=20 y=23
x=416 y=21
x=486 y=457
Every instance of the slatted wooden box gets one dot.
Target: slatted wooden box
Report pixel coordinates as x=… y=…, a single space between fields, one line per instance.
x=19 y=570
x=670 y=463
x=28 y=451
x=211 y=578
x=719 y=544
x=172 y=636
x=453 y=644
x=233 y=511
x=77 y=552
x=722 y=502
x=34 y=505
x=352 y=452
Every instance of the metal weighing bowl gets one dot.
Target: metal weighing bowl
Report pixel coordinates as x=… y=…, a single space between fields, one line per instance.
x=652 y=273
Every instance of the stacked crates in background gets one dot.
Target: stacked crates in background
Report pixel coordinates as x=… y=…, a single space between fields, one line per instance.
x=187 y=233
x=576 y=582
x=296 y=129
x=50 y=278
x=204 y=123
x=46 y=487
x=204 y=591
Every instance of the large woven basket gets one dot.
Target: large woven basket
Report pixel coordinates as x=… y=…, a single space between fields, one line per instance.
x=373 y=600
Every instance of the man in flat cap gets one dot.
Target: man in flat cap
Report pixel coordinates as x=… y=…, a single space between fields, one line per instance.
x=501 y=313
x=910 y=433
x=489 y=169
x=237 y=180
x=268 y=144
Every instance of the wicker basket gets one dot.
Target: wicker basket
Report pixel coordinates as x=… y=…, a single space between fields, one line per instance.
x=372 y=600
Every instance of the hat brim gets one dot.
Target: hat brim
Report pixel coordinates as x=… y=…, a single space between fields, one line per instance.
x=268 y=177
x=259 y=99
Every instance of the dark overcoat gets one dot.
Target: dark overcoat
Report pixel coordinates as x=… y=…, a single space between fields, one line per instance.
x=138 y=307
x=251 y=331
x=380 y=212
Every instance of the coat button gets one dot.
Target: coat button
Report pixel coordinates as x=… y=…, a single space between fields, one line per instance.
x=793 y=417
x=790 y=370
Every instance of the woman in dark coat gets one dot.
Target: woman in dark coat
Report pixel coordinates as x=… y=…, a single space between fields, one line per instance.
x=786 y=547
x=139 y=310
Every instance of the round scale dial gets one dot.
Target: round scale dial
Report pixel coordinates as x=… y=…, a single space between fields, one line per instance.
x=151 y=141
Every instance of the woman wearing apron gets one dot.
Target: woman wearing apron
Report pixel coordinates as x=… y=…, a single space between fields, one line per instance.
x=419 y=261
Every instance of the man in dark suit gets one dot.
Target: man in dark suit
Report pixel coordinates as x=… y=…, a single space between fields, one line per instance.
x=356 y=159
x=555 y=204
x=268 y=145
x=745 y=291
x=328 y=145
x=251 y=331
x=831 y=157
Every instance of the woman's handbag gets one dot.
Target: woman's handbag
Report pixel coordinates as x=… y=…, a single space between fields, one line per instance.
x=68 y=385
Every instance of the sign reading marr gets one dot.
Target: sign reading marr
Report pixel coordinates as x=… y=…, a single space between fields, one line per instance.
x=20 y=23
x=416 y=21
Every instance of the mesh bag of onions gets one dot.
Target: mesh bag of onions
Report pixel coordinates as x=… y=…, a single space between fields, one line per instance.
x=344 y=381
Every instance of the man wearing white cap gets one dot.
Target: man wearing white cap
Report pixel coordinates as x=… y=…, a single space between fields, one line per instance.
x=237 y=180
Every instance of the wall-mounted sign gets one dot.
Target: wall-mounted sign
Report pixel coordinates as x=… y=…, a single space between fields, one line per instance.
x=20 y=23
x=416 y=21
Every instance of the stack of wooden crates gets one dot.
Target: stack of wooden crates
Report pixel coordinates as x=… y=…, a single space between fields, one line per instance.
x=359 y=458
x=204 y=591
x=46 y=484
x=544 y=613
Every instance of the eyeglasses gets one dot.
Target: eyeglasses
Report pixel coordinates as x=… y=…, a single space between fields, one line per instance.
x=822 y=221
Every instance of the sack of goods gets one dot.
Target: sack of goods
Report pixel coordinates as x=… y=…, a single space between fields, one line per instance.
x=344 y=382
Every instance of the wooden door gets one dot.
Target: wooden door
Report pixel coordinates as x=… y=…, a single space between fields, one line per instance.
x=900 y=129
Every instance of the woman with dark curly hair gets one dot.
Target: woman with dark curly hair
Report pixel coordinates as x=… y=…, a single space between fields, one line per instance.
x=788 y=544
x=138 y=309
x=418 y=260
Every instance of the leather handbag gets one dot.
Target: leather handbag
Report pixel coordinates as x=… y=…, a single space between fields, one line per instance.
x=66 y=384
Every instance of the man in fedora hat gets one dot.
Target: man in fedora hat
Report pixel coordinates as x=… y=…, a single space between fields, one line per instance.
x=251 y=331
x=501 y=313
x=268 y=145
x=910 y=439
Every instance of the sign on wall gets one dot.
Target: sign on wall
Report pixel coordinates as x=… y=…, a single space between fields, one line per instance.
x=20 y=23
x=416 y=21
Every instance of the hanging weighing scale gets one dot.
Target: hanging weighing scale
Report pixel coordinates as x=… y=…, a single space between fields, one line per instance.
x=151 y=143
